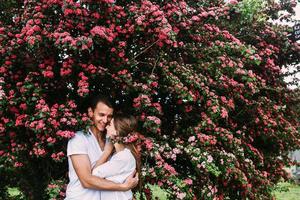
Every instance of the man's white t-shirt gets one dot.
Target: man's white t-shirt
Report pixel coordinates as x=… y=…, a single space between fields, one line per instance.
x=82 y=143
x=117 y=169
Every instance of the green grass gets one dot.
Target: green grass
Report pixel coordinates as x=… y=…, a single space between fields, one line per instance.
x=284 y=191
x=159 y=193
x=287 y=191
x=15 y=193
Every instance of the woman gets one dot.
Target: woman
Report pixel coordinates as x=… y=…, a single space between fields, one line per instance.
x=124 y=161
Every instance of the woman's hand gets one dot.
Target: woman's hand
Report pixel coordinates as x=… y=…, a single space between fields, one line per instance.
x=111 y=130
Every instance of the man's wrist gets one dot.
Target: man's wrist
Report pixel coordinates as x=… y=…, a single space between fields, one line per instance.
x=124 y=187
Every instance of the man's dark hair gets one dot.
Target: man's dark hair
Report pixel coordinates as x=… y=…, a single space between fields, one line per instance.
x=95 y=99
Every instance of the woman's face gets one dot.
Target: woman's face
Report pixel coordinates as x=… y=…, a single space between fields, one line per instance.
x=111 y=129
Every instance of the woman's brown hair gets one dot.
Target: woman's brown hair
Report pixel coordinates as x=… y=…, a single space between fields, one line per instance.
x=125 y=125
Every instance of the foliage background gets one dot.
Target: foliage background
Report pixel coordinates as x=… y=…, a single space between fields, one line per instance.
x=204 y=77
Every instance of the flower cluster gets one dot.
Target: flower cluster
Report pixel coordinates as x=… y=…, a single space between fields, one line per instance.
x=131 y=138
x=55 y=189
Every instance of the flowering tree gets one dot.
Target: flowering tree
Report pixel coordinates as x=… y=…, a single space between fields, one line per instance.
x=204 y=77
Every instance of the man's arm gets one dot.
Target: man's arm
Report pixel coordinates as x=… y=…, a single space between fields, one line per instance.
x=82 y=166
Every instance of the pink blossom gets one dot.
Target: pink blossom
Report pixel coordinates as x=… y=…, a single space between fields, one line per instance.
x=154 y=84
x=209 y=159
x=39 y=151
x=195 y=18
x=157 y=106
x=51 y=140
x=233 y=2
x=65 y=134
x=215 y=109
x=122 y=44
x=181 y=195
x=30 y=32
x=62 y=194
x=58 y=156
x=68 y=11
x=149 y=144
x=20 y=120
x=224 y=113
x=170 y=168
x=72 y=104
x=155 y=119
x=191 y=139
x=188 y=181
x=230 y=103
x=65 y=71
x=188 y=108
x=18 y=164
x=31 y=41
x=48 y=74
x=40 y=125
x=121 y=54
x=103 y=32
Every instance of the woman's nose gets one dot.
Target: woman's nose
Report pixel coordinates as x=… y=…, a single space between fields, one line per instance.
x=105 y=119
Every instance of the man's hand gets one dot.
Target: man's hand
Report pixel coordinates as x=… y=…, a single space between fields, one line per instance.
x=132 y=181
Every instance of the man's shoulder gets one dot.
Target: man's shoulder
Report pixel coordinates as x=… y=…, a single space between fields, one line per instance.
x=80 y=140
x=81 y=134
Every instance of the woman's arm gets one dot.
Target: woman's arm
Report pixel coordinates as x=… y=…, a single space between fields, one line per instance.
x=121 y=163
x=108 y=149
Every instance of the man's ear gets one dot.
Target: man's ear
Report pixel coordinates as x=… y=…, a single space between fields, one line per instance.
x=90 y=112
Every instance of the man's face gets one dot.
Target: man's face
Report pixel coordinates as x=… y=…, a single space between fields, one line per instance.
x=101 y=116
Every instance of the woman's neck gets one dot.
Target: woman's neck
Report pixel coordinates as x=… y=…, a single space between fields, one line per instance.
x=119 y=147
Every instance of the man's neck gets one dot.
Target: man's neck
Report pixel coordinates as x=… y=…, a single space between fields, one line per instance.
x=96 y=132
x=98 y=135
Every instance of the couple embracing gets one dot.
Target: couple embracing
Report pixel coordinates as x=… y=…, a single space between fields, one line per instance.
x=100 y=169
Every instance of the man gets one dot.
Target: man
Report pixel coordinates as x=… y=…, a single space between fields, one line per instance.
x=84 y=149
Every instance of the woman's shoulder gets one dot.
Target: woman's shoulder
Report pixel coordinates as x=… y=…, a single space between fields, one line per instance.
x=124 y=155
